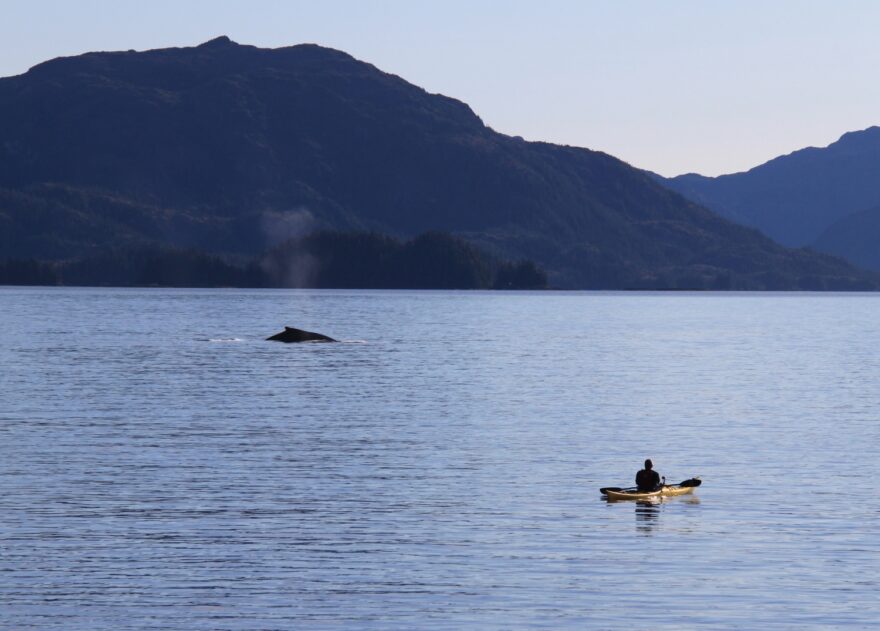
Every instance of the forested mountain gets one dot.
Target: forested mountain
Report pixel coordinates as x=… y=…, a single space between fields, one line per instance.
x=794 y=198
x=855 y=237
x=324 y=260
x=230 y=150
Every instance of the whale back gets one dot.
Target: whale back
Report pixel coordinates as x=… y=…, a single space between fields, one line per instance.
x=291 y=335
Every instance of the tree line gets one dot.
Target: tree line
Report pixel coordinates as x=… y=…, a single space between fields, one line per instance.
x=344 y=260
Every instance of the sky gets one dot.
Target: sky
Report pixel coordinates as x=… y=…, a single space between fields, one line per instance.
x=677 y=86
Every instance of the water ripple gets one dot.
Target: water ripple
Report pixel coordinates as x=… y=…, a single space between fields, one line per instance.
x=439 y=470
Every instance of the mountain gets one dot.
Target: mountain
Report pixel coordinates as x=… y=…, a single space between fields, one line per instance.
x=795 y=197
x=230 y=150
x=855 y=237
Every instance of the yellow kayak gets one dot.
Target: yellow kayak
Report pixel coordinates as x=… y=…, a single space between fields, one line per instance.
x=685 y=488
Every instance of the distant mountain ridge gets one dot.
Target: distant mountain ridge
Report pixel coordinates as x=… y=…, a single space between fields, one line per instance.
x=855 y=237
x=796 y=197
x=232 y=149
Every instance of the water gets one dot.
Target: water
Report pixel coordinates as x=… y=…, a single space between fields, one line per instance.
x=162 y=467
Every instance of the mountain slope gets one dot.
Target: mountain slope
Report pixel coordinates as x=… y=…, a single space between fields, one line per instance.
x=233 y=149
x=795 y=197
x=856 y=237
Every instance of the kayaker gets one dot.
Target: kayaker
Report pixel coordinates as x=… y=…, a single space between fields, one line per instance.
x=647 y=479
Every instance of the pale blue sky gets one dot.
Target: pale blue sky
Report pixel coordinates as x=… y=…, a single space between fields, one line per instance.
x=702 y=86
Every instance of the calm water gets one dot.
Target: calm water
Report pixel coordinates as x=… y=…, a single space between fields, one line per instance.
x=162 y=467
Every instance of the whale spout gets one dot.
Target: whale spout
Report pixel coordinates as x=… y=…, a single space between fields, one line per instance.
x=290 y=335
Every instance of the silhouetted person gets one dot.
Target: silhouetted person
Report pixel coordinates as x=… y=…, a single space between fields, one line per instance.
x=647 y=479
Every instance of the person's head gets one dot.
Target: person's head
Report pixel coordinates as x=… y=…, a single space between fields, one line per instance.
x=648 y=464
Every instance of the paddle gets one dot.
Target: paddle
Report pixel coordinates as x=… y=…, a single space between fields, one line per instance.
x=691 y=482
x=685 y=483
x=604 y=490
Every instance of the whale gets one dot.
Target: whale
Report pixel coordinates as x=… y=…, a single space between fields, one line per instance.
x=290 y=335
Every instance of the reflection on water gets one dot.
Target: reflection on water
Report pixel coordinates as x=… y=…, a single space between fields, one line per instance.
x=648 y=511
x=647 y=515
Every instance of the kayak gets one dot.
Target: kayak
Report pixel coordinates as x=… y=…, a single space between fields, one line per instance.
x=670 y=490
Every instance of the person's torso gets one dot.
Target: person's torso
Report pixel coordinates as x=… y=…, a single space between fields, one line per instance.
x=646 y=479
